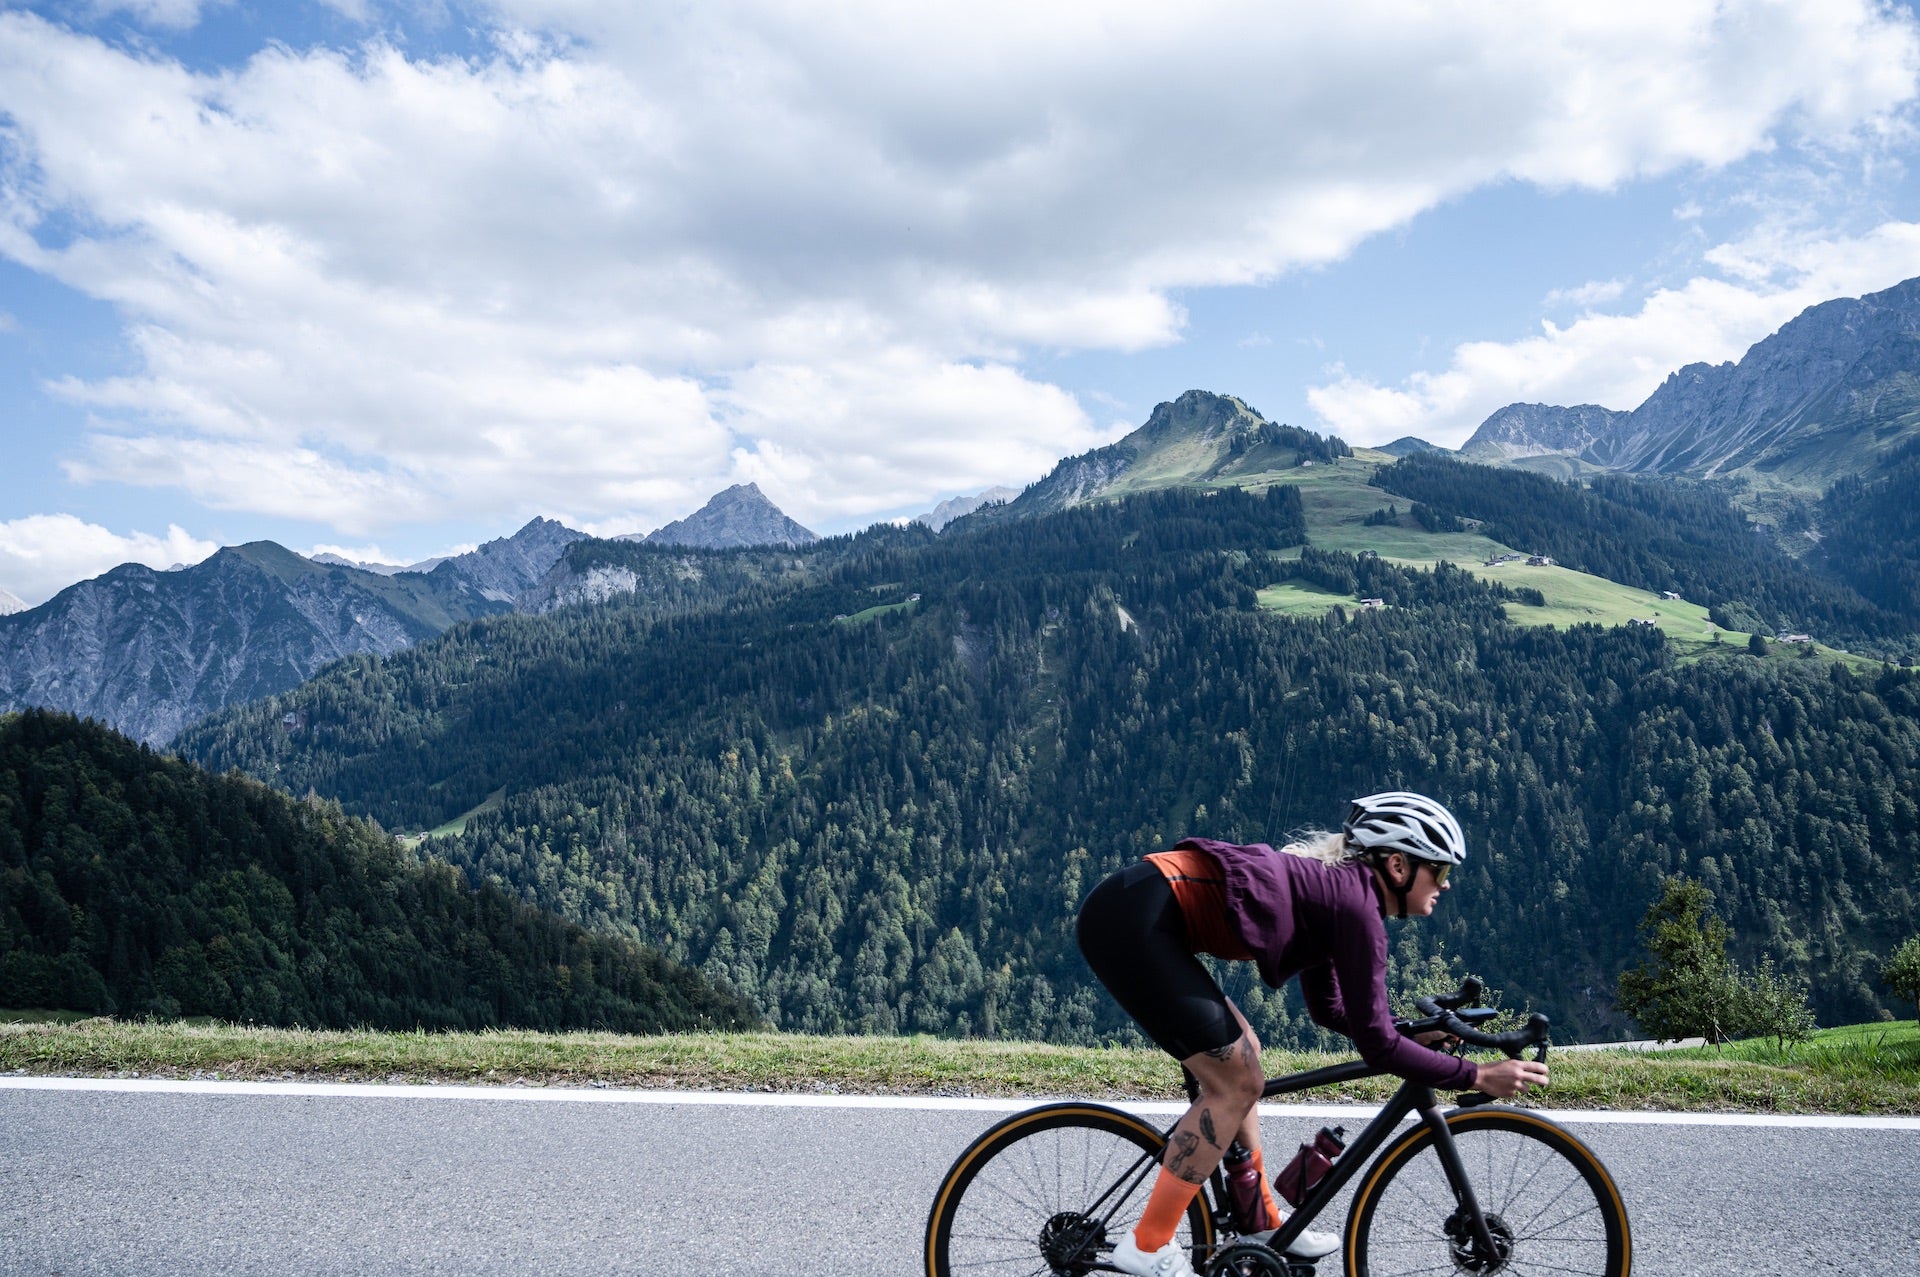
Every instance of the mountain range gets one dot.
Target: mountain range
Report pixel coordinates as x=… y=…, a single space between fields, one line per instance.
x=863 y=781
x=1829 y=395
x=1832 y=393
x=149 y=652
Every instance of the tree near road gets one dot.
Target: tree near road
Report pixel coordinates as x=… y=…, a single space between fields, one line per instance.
x=1902 y=972
x=1689 y=987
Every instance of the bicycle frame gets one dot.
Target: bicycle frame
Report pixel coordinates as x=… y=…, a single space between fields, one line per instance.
x=1412 y=1097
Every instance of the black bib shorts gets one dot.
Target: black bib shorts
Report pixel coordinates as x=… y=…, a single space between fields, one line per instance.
x=1133 y=936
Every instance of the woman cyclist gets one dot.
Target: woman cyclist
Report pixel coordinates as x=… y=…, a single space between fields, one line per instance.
x=1315 y=912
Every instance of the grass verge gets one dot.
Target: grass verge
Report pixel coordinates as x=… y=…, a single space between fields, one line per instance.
x=1865 y=1069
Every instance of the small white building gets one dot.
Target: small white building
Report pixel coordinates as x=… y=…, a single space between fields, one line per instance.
x=1539 y=561
x=1670 y=595
x=1796 y=638
x=1372 y=603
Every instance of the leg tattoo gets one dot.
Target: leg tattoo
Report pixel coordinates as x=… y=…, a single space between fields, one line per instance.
x=1180 y=1153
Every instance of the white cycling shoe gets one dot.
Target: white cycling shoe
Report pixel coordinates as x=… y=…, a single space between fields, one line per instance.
x=1308 y=1245
x=1169 y=1261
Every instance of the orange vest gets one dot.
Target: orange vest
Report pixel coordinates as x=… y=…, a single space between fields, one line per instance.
x=1200 y=888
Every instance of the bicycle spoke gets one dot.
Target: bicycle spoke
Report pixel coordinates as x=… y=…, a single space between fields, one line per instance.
x=1444 y=1267
x=1537 y=1265
x=1547 y=1231
x=1028 y=1207
x=1570 y=1185
x=1546 y=1216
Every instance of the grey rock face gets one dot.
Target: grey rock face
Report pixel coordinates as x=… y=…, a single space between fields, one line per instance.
x=506 y=568
x=1823 y=397
x=1821 y=368
x=562 y=587
x=1587 y=431
x=740 y=516
x=149 y=652
x=947 y=511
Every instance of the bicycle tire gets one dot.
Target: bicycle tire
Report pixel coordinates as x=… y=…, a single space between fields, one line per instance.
x=1031 y=1172
x=1548 y=1199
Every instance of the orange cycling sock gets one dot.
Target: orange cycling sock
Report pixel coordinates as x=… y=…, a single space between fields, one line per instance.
x=1274 y=1212
x=1165 y=1205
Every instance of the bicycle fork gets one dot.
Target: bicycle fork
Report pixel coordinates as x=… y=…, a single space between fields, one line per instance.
x=1481 y=1235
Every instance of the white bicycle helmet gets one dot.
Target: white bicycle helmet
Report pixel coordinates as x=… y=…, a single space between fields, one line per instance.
x=1412 y=824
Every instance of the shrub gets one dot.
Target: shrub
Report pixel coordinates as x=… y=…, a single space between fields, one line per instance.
x=1689 y=987
x=1902 y=972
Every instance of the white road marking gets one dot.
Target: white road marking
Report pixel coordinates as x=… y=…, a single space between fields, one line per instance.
x=924 y=1103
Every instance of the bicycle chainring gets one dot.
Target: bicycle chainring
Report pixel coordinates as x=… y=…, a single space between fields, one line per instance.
x=1071 y=1242
x=1467 y=1256
x=1251 y=1259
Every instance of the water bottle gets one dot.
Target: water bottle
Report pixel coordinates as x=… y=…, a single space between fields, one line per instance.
x=1243 y=1189
x=1310 y=1165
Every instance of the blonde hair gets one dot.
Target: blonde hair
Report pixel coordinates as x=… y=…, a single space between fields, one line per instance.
x=1319 y=844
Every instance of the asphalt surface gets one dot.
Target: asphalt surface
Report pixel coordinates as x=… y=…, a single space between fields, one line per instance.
x=165 y=1183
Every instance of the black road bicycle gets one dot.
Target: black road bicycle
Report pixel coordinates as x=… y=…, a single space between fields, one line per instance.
x=1479 y=1188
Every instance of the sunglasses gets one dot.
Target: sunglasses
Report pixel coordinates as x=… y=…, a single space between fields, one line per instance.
x=1440 y=871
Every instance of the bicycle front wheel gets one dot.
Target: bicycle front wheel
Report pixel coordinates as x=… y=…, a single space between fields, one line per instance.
x=1549 y=1203
x=1049 y=1191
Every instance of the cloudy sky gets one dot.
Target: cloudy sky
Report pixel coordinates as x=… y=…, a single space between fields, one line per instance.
x=391 y=279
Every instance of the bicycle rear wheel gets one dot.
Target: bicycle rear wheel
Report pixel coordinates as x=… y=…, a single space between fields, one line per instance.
x=1549 y=1203
x=1050 y=1190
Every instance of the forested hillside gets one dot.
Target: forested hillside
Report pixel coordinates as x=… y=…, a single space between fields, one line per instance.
x=1657 y=536
x=136 y=884
x=1870 y=533
x=872 y=811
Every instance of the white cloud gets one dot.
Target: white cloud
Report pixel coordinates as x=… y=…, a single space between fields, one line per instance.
x=42 y=554
x=171 y=15
x=632 y=254
x=840 y=440
x=1618 y=360
x=1596 y=292
x=358 y=553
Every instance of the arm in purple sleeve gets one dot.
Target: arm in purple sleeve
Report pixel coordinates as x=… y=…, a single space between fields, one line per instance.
x=1322 y=995
x=1360 y=966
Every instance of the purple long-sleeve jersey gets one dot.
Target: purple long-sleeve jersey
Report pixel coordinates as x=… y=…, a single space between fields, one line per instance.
x=1323 y=923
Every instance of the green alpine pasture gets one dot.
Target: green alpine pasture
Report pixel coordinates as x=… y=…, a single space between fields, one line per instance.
x=1857 y=1069
x=1336 y=499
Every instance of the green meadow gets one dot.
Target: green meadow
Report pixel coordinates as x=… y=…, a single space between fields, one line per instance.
x=1857 y=1069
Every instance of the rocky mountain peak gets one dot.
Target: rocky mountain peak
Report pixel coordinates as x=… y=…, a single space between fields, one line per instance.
x=740 y=516
x=11 y=603
x=1200 y=414
x=1535 y=429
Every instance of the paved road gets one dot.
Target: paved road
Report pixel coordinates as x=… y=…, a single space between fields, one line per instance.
x=169 y=1183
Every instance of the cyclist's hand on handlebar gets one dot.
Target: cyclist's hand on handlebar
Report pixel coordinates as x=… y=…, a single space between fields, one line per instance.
x=1509 y=1078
